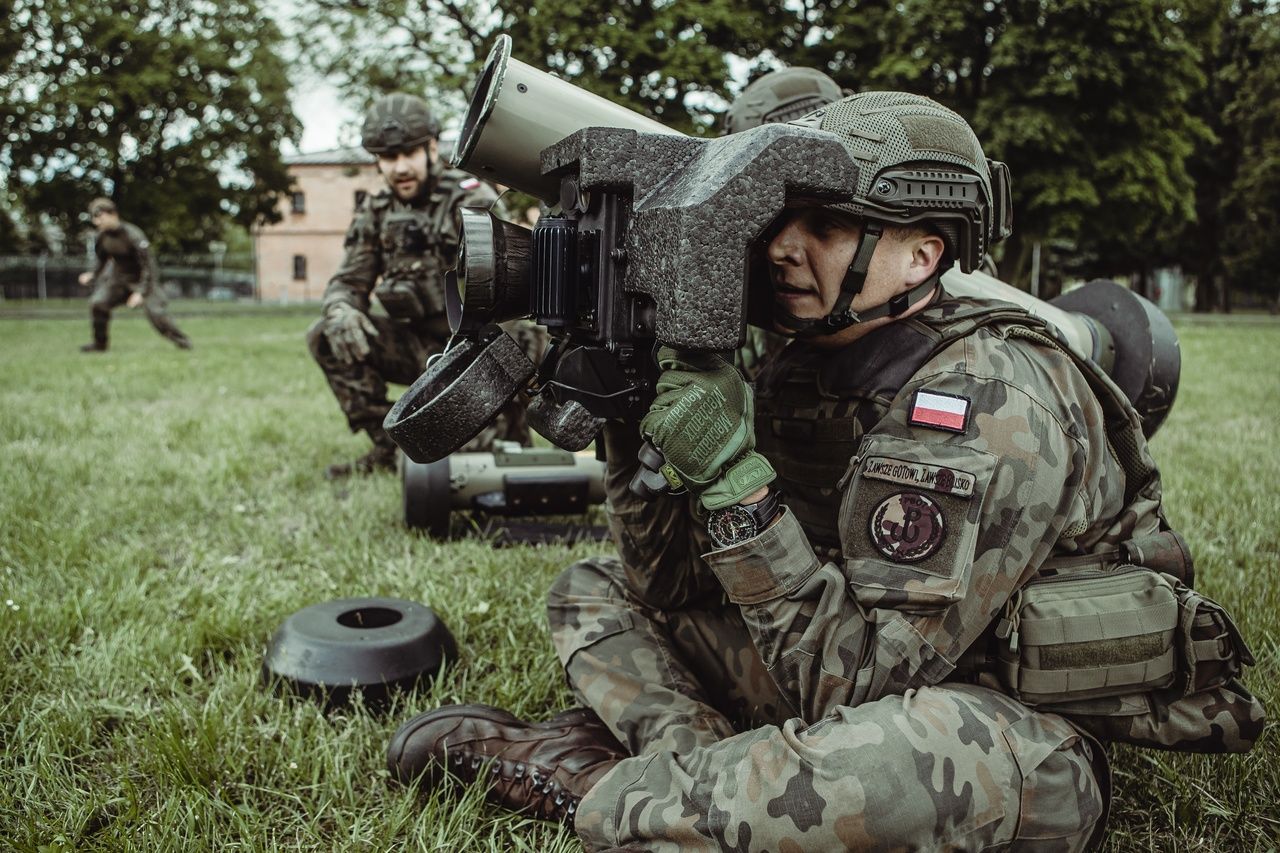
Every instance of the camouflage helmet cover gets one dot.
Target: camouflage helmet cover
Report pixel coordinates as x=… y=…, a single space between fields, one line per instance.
x=780 y=96
x=397 y=121
x=920 y=162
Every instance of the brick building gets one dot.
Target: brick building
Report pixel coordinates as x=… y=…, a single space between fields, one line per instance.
x=296 y=256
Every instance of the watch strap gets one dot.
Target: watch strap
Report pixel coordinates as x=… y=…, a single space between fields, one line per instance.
x=762 y=513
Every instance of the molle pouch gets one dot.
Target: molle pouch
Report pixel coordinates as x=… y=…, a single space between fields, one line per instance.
x=1090 y=633
x=406 y=232
x=1211 y=648
x=401 y=298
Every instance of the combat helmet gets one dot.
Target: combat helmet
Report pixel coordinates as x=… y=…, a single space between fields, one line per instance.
x=780 y=96
x=397 y=121
x=918 y=161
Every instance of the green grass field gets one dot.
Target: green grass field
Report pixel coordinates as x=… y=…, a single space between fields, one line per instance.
x=162 y=512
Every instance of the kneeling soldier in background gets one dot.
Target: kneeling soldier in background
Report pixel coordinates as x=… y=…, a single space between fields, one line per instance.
x=399 y=245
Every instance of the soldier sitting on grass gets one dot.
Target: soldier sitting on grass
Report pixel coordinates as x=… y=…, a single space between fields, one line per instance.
x=801 y=660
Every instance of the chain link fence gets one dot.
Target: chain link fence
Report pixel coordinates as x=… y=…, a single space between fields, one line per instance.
x=214 y=277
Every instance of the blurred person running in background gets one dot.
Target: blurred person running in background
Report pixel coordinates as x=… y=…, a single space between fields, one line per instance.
x=126 y=274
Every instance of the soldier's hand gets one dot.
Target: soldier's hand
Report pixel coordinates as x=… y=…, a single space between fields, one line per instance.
x=134 y=300
x=86 y=278
x=703 y=422
x=348 y=331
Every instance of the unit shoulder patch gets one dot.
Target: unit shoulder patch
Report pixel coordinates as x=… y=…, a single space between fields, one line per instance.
x=936 y=410
x=907 y=527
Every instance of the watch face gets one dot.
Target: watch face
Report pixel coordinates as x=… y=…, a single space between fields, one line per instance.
x=731 y=526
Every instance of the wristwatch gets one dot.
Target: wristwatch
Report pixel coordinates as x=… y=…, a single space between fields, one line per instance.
x=735 y=524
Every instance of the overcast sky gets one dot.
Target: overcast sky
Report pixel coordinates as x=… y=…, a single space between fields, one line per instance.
x=323 y=116
x=315 y=101
x=327 y=122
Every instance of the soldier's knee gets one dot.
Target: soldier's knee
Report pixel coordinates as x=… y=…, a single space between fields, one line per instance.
x=596 y=822
x=318 y=343
x=592 y=579
x=100 y=309
x=1063 y=802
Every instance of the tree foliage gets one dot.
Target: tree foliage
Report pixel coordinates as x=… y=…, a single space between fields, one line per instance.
x=666 y=60
x=1251 y=209
x=1084 y=99
x=174 y=109
x=1115 y=116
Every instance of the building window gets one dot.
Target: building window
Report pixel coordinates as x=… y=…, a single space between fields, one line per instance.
x=299 y=267
x=298 y=202
x=361 y=195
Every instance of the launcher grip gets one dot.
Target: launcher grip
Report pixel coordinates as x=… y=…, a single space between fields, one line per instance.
x=649 y=481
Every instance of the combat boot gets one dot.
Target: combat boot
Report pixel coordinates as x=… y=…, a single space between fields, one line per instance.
x=93 y=347
x=381 y=457
x=540 y=769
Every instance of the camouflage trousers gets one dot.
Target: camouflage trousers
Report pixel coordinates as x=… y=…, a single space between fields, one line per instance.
x=399 y=353
x=721 y=764
x=114 y=292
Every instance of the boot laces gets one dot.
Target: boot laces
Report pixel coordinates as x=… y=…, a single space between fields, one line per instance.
x=544 y=795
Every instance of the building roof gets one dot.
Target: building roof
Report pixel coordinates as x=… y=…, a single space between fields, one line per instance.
x=332 y=157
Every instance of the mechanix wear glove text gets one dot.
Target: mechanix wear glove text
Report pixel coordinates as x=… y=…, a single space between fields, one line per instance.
x=348 y=331
x=702 y=421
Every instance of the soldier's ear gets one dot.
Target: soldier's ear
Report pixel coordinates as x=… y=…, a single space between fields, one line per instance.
x=927 y=249
x=433 y=150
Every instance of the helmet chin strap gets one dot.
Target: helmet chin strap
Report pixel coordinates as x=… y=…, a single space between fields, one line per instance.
x=841 y=315
x=427 y=185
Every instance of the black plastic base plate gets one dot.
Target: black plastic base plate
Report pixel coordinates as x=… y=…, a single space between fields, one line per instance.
x=374 y=646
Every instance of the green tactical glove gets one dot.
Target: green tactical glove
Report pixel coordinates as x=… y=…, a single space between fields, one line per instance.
x=348 y=330
x=702 y=421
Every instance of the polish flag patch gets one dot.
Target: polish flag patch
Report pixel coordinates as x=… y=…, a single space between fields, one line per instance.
x=469 y=183
x=939 y=411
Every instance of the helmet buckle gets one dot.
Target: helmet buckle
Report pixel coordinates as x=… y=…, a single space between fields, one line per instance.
x=842 y=318
x=899 y=303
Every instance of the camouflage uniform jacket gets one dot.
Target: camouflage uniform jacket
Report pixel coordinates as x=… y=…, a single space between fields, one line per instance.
x=129 y=252
x=926 y=482
x=400 y=251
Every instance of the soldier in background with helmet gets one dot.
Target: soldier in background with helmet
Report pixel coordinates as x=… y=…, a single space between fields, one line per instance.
x=399 y=245
x=126 y=274
x=816 y=673
x=778 y=96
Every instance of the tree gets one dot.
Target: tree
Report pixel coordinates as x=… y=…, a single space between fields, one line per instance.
x=1095 y=104
x=1084 y=99
x=11 y=242
x=1251 y=208
x=1235 y=41
x=176 y=110
x=427 y=47
x=666 y=60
